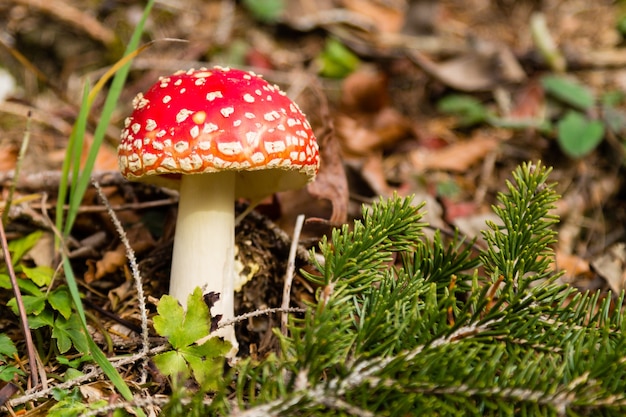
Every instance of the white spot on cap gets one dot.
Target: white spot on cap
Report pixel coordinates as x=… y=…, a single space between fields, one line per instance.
x=157 y=146
x=209 y=128
x=161 y=133
x=230 y=148
x=200 y=81
x=185 y=164
x=271 y=116
x=183 y=90
x=258 y=92
x=257 y=157
x=138 y=143
x=293 y=155
x=151 y=125
x=291 y=122
x=166 y=99
x=237 y=123
x=135 y=127
x=196 y=161
x=139 y=102
x=178 y=82
x=247 y=77
x=194 y=131
x=182 y=115
x=275 y=147
x=213 y=95
x=149 y=159
x=248 y=98
x=204 y=145
x=281 y=127
x=169 y=163
x=252 y=138
x=249 y=115
x=227 y=111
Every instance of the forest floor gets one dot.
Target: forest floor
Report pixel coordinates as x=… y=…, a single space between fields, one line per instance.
x=437 y=99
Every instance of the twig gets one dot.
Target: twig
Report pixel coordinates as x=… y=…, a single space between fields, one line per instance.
x=87 y=376
x=261 y=312
x=30 y=347
x=130 y=254
x=291 y=266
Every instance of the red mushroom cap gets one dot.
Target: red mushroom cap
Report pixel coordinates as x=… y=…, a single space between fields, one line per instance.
x=204 y=121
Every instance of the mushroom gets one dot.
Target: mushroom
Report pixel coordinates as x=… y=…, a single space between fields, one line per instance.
x=215 y=135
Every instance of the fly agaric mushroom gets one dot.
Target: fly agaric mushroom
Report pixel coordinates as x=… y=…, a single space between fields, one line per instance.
x=215 y=134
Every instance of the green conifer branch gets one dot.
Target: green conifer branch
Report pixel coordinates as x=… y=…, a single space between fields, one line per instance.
x=431 y=333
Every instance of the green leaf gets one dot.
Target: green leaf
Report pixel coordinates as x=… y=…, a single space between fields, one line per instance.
x=7 y=347
x=268 y=11
x=19 y=247
x=207 y=361
x=568 y=91
x=69 y=333
x=46 y=318
x=577 y=135
x=180 y=327
x=33 y=304
x=25 y=285
x=336 y=61
x=172 y=364
x=40 y=275
x=7 y=373
x=469 y=110
x=61 y=300
x=183 y=329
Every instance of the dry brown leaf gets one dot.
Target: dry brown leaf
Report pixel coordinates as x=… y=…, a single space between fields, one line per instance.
x=364 y=91
x=573 y=265
x=331 y=183
x=456 y=157
x=373 y=173
x=8 y=157
x=383 y=15
x=111 y=261
x=612 y=267
x=482 y=69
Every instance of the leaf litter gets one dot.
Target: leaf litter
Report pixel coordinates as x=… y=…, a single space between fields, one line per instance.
x=380 y=129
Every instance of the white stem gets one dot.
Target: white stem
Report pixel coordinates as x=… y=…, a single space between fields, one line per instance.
x=204 y=243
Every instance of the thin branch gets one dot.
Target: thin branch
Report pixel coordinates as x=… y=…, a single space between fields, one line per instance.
x=291 y=266
x=30 y=347
x=130 y=255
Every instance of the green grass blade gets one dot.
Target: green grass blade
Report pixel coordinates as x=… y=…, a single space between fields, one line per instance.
x=78 y=131
x=78 y=190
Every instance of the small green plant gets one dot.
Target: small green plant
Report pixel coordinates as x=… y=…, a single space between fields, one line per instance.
x=576 y=131
x=184 y=330
x=46 y=307
x=267 y=11
x=7 y=350
x=404 y=325
x=336 y=60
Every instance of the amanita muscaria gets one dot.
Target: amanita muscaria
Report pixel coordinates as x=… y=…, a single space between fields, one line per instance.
x=216 y=135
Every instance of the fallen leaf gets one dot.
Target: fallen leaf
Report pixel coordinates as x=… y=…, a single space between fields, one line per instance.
x=383 y=15
x=612 y=267
x=331 y=183
x=488 y=65
x=457 y=157
x=111 y=261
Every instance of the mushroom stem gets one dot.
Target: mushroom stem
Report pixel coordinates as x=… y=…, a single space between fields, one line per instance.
x=204 y=243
